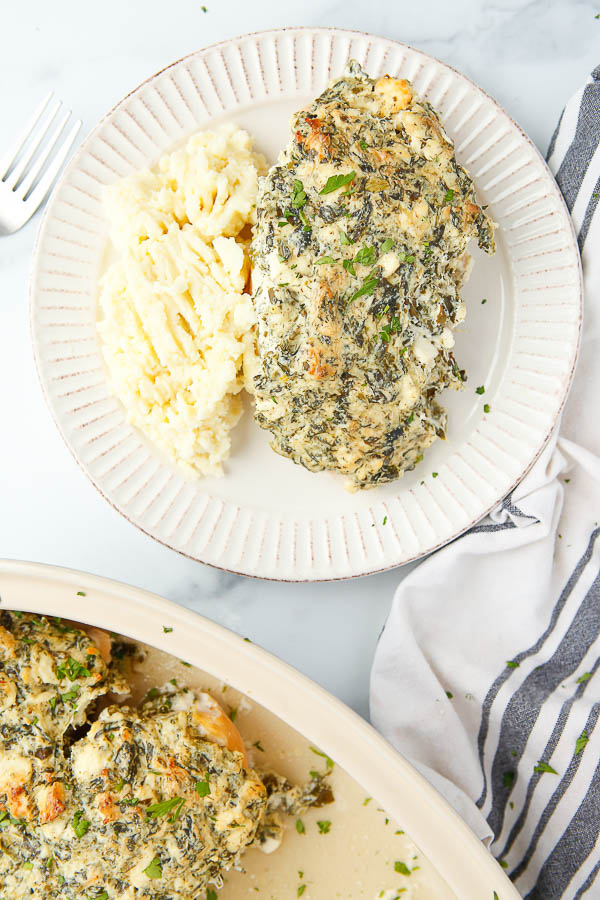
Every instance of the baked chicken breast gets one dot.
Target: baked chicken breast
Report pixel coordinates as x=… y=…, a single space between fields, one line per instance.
x=359 y=257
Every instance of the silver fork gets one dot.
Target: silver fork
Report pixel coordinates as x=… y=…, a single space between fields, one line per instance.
x=24 y=177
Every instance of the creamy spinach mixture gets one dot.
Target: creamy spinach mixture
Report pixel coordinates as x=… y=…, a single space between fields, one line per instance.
x=120 y=802
x=359 y=258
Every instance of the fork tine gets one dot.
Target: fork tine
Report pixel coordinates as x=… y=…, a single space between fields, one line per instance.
x=39 y=163
x=17 y=173
x=8 y=158
x=39 y=192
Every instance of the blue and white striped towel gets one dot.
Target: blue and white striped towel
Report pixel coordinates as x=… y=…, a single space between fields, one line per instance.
x=516 y=747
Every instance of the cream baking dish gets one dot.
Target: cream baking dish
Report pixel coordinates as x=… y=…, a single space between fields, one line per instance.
x=384 y=812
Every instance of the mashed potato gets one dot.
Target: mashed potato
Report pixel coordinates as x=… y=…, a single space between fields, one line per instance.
x=176 y=328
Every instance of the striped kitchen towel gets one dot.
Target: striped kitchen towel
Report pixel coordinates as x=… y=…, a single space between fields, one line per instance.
x=487 y=670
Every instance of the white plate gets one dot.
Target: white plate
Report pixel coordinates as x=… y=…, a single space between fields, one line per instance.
x=268 y=517
x=288 y=700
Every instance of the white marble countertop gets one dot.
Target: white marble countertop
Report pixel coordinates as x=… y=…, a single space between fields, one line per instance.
x=531 y=56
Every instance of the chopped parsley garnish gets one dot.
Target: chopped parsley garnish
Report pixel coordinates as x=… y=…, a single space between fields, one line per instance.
x=406 y=257
x=28 y=865
x=102 y=896
x=366 y=801
x=326 y=260
x=300 y=827
x=70 y=696
x=585 y=677
x=258 y=746
x=80 y=594
x=79 y=824
x=449 y=695
x=449 y=196
x=233 y=714
x=324 y=826
x=345 y=241
x=167 y=630
x=298 y=194
x=434 y=474
x=581 y=742
x=486 y=407
x=366 y=256
x=301 y=889
x=334 y=182
x=384 y=334
x=154 y=870
x=480 y=389
x=387 y=245
x=368 y=287
x=384 y=520
x=396 y=324
x=119 y=786
x=544 y=767
x=203 y=787
x=156 y=810
x=328 y=761
x=72 y=670
x=512 y=664
x=184 y=663
x=363 y=145
x=348 y=264
x=153 y=693
x=401 y=868
x=304 y=220
x=210 y=894
x=508 y=779
x=484 y=300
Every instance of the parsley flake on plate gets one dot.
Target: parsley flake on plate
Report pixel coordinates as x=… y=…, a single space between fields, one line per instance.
x=328 y=761
x=401 y=867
